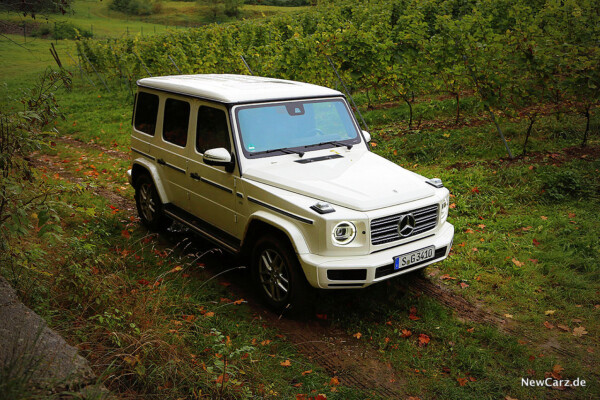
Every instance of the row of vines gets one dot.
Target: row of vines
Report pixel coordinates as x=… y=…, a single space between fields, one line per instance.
x=518 y=57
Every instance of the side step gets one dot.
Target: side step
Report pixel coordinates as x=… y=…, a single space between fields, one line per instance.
x=221 y=238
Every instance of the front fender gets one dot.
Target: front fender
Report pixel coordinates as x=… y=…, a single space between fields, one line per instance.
x=290 y=229
x=139 y=166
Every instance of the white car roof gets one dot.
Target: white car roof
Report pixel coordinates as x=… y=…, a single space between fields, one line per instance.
x=228 y=88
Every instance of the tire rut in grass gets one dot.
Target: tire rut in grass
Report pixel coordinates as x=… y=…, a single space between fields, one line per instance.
x=83 y=145
x=116 y=200
x=354 y=363
x=476 y=312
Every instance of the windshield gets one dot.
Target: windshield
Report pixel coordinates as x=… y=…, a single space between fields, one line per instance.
x=303 y=125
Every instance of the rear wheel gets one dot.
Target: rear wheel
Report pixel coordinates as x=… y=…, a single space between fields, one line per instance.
x=150 y=208
x=278 y=274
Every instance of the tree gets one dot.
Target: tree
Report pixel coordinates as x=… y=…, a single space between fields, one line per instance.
x=572 y=36
x=443 y=54
x=35 y=7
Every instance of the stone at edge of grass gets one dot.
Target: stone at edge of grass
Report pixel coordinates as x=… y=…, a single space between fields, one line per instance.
x=38 y=358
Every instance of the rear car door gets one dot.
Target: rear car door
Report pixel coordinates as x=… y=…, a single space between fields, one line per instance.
x=171 y=157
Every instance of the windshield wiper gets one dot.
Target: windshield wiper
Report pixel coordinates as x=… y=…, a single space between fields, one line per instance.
x=336 y=143
x=283 y=150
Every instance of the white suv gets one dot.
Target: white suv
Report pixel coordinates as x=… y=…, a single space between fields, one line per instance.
x=280 y=173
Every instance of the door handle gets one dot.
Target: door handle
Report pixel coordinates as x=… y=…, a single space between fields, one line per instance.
x=161 y=161
x=195 y=176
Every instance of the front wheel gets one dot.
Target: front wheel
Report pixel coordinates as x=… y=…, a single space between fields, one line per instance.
x=149 y=206
x=278 y=275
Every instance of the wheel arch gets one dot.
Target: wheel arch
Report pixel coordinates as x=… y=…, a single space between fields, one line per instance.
x=141 y=167
x=262 y=222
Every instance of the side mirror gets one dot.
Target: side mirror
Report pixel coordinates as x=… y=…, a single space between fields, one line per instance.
x=219 y=157
x=367 y=136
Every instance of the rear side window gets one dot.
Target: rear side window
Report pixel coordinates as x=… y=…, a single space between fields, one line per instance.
x=146 y=111
x=211 y=131
x=176 y=121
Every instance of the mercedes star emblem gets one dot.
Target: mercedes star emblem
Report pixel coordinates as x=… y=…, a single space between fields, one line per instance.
x=406 y=225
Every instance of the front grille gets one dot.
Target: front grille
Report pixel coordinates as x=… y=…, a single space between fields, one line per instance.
x=385 y=229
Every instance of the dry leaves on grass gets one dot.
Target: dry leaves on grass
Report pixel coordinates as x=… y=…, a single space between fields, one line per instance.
x=357 y=335
x=412 y=314
x=446 y=277
x=423 y=340
x=548 y=325
x=286 y=363
x=517 y=262
x=579 y=331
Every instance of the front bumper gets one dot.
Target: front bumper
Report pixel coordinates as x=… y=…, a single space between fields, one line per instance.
x=361 y=271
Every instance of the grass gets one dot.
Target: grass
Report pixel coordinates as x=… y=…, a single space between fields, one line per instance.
x=145 y=312
x=141 y=307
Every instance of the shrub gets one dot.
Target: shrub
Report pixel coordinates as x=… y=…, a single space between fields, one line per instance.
x=135 y=7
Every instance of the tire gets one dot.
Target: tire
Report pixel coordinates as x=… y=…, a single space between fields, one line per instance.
x=149 y=207
x=278 y=276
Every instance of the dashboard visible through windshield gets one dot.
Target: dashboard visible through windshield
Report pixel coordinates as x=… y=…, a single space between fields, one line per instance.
x=295 y=127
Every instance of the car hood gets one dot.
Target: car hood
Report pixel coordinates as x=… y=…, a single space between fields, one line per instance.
x=359 y=181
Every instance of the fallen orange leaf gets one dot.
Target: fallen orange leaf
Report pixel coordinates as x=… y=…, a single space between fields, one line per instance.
x=517 y=262
x=286 y=363
x=423 y=340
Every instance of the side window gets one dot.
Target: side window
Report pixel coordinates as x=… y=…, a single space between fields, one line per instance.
x=211 y=131
x=146 y=111
x=176 y=121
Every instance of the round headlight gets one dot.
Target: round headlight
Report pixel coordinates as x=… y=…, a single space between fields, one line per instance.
x=343 y=233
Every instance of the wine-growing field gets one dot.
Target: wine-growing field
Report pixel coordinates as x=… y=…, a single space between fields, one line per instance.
x=500 y=99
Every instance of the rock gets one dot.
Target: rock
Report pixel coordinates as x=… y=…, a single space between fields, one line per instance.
x=35 y=356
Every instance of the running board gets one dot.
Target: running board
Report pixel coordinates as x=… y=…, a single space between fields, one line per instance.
x=203 y=228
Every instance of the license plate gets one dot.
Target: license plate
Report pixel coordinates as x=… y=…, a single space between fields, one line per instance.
x=408 y=259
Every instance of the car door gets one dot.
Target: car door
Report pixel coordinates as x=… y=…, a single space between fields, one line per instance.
x=213 y=188
x=172 y=154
